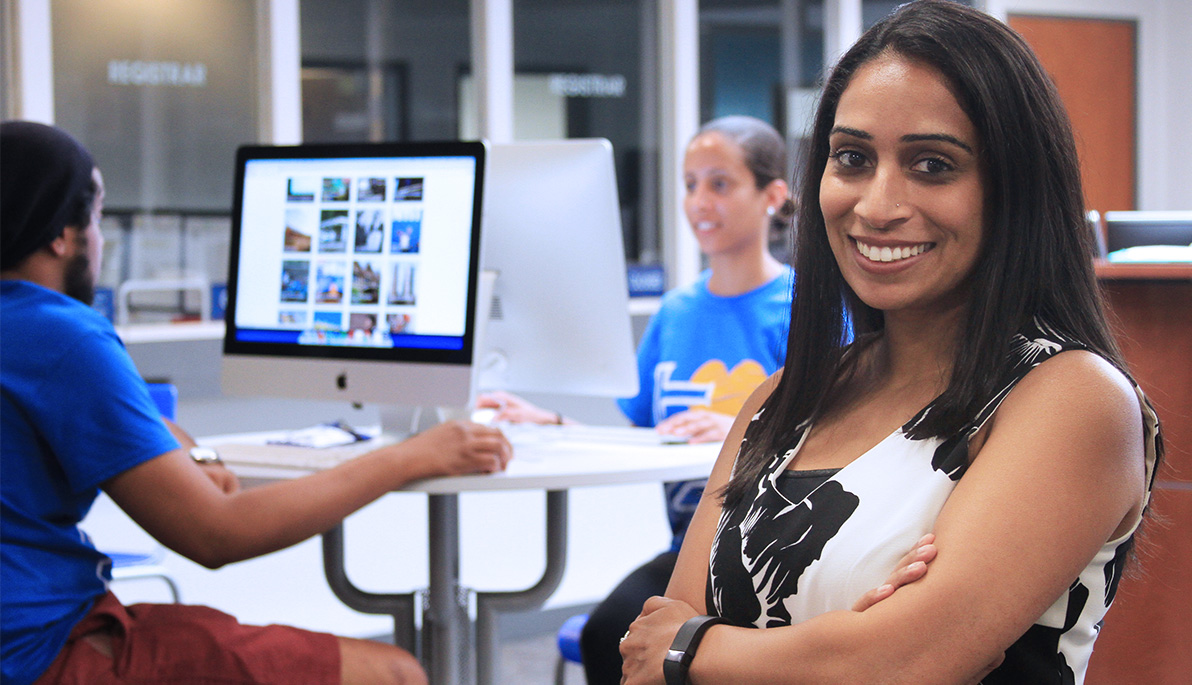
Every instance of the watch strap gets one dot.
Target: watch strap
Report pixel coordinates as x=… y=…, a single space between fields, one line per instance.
x=682 y=650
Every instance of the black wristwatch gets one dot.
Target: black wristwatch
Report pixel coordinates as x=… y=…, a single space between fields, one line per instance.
x=682 y=650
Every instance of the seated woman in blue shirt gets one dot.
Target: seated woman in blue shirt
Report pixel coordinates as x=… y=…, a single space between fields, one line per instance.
x=710 y=344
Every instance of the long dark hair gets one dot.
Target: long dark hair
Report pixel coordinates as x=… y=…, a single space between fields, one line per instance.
x=1036 y=255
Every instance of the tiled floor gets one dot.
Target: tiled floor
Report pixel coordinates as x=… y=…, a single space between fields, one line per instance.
x=529 y=653
x=531 y=661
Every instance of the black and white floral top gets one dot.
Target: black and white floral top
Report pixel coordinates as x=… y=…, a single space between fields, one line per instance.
x=788 y=555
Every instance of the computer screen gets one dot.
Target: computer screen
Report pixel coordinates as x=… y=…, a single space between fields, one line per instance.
x=1134 y=229
x=559 y=317
x=353 y=272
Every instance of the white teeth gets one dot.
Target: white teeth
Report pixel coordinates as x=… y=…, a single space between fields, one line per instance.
x=890 y=254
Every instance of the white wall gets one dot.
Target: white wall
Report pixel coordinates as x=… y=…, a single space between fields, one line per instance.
x=1164 y=87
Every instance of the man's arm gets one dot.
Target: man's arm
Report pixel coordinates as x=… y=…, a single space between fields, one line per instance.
x=221 y=475
x=204 y=518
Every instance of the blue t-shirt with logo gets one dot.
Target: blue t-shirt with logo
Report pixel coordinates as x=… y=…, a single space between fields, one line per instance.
x=703 y=350
x=74 y=413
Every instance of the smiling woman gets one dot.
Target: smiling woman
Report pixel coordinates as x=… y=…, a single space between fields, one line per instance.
x=902 y=181
x=983 y=401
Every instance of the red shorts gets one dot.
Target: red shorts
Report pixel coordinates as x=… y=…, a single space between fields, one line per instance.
x=177 y=643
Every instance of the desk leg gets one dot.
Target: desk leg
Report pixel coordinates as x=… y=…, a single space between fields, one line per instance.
x=490 y=604
x=400 y=606
x=446 y=628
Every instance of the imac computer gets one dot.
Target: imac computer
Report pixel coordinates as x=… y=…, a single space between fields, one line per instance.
x=559 y=316
x=354 y=272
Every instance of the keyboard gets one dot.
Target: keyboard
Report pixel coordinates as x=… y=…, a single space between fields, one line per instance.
x=523 y=434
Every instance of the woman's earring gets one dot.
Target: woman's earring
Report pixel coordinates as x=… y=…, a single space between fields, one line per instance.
x=770 y=210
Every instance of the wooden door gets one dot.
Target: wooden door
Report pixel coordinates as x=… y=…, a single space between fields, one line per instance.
x=1093 y=64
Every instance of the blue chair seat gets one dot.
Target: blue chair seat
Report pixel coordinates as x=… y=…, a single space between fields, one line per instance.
x=132 y=565
x=136 y=565
x=568 y=641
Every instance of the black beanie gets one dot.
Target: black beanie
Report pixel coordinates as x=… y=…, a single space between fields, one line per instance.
x=42 y=172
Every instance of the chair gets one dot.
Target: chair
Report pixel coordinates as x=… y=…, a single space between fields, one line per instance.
x=139 y=565
x=568 y=641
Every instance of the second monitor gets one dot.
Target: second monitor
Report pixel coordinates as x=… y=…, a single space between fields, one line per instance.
x=559 y=316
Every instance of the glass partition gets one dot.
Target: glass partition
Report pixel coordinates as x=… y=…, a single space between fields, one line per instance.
x=589 y=68
x=763 y=58
x=383 y=69
x=162 y=92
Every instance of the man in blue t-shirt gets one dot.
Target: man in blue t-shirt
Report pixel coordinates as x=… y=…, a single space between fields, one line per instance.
x=75 y=418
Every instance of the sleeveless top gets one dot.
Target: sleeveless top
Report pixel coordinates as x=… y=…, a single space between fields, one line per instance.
x=777 y=560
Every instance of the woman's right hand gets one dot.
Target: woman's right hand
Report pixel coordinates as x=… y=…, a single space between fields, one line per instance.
x=513 y=409
x=698 y=425
x=911 y=567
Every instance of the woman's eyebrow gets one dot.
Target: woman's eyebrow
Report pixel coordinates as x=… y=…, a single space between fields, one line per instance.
x=908 y=138
x=942 y=137
x=854 y=132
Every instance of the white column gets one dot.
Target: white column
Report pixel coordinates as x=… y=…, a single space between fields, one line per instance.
x=279 y=89
x=678 y=47
x=842 y=28
x=492 y=67
x=30 y=53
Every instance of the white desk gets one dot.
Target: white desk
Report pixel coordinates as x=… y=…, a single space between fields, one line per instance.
x=541 y=462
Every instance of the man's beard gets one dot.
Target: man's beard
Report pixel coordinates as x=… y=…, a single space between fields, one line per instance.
x=79 y=283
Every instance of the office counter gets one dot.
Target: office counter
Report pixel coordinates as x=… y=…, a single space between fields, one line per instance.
x=1149 y=629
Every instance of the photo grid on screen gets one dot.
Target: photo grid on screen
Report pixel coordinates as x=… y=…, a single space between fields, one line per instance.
x=351 y=257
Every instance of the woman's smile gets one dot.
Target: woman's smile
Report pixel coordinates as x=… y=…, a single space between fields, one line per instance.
x=878 y=253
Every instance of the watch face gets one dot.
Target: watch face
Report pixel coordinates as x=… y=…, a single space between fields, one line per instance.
x=204 y=455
